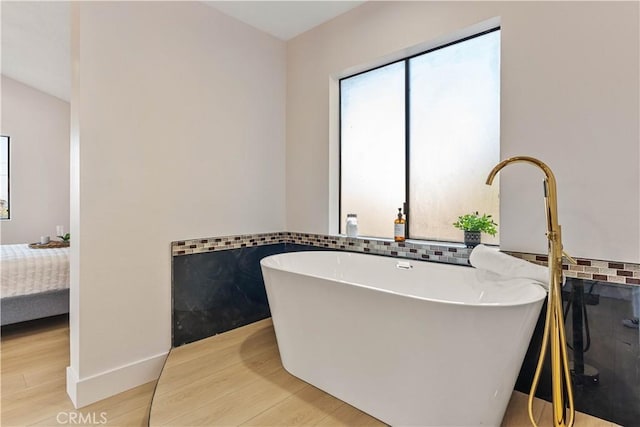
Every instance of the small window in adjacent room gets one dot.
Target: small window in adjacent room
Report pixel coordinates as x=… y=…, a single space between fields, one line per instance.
x=4 y=177
x=424 y=132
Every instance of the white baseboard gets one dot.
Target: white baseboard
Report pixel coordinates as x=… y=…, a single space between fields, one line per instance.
x=85 y=391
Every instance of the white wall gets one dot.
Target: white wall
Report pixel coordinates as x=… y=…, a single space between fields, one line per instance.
x=569 y=97
x=38 y=125
x=178 y=116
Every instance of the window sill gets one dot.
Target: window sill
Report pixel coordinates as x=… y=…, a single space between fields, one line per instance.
x=416 y=242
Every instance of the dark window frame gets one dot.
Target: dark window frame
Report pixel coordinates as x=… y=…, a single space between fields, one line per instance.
x=8 y=178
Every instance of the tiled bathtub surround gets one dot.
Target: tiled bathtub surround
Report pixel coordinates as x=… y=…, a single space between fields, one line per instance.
x=453 y=253
x=219 y=287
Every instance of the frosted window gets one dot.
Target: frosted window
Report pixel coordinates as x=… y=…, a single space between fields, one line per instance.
x=454 y=135
x=4 y=177
x=372 y=145
x=453 y=140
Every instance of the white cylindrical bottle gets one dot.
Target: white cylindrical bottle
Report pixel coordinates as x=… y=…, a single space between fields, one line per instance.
x=352 y=225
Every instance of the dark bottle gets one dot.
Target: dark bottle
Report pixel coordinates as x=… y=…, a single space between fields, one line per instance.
x=399 y=227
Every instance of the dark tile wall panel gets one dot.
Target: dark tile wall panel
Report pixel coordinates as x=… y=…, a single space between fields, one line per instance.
x=610 y=351
x=222 y=290
x=218 y=291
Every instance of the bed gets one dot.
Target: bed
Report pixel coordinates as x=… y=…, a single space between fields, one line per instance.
x=34 y=283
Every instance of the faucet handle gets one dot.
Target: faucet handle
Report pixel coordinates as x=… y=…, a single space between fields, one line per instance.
x=569 y=257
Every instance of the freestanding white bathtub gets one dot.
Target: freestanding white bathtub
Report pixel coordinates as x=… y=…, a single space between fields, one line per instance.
x=431 y=345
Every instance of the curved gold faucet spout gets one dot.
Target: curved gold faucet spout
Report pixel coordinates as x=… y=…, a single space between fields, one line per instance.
x=561 y=388
x=522 y=159
x=550 y=195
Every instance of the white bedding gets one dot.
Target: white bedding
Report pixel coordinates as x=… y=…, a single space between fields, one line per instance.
x=25 y=271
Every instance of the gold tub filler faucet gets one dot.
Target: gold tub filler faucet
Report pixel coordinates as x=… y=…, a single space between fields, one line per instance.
x=562 y=392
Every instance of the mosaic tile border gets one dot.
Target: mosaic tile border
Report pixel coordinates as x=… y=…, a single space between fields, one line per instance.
x=196 y=246
x=448 y=253
x=451 y=253
x=591 y=269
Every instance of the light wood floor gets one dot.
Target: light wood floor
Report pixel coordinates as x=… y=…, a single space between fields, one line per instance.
x=34 y=358
x=234 y=378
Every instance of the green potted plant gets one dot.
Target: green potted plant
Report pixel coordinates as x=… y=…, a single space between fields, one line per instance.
x=473 y=225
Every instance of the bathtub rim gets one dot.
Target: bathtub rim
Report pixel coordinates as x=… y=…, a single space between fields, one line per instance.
x=265 y=263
